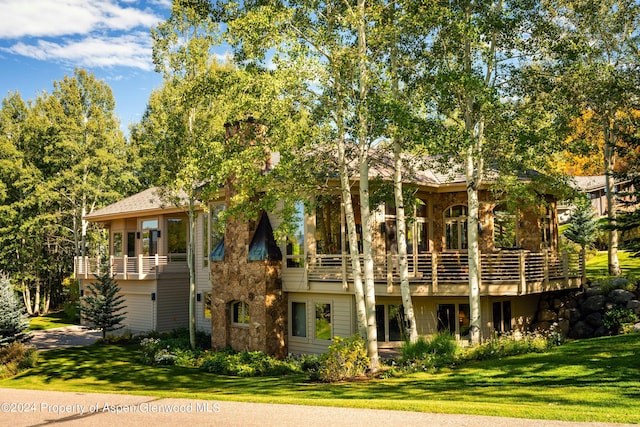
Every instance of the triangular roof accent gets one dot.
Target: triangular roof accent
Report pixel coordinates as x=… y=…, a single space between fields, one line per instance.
x=263 y=245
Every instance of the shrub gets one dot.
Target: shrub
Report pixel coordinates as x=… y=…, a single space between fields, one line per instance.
x=14 y=321
x=508 y=345
x=346 y=358
x=617 y=318
x=16 y=357
x=424 y=354
x=246 y=364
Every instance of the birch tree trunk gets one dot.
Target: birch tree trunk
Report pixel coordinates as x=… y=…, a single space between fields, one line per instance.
x=609 y=163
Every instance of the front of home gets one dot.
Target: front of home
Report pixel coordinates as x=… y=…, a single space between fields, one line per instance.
x=294 y=297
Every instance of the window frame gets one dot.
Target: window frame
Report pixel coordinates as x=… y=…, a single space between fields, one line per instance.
x=243 y=312
x=460 y=223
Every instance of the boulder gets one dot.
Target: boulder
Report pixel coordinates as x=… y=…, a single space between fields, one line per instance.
x=594 y=320
x=563 y=326
x=594 y=290
x=593 y=303
x=582 y=330
x=620 y=296
x=636 y=327
x=574 y=315
x=601 y=332
x=547 y=315
x=634 y=305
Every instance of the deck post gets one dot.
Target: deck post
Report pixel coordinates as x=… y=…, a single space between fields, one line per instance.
x=546 y=268
x=140 y=266
x=522 y=288
x=343 y=263
x=434 y=272
x=125 y=261
x=565 y=267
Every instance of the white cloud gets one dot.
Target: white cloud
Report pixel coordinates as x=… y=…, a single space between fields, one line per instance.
x=53 y=18
x=86 y=33
x=131 y=50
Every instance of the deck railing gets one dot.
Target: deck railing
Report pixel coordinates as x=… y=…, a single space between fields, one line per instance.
x=503 y=267
x=139 y=267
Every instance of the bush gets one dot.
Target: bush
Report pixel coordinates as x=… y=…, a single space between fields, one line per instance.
x=246 y=364
x=16 y=357
x=14 y=322
x=346 y=358
x=617 y=318
x=424 y=354
x=509 y=345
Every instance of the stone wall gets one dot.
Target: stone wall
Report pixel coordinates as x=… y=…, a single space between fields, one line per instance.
x=579 y=313
x=257 y=283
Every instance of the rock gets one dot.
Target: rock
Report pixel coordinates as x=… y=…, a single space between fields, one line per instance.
x=575 y=315
x=594 y=320
x=541 y=326
x=582 y=330
x=547 y=316
x=634 y=305
x=595 y=290
x=636 y=327
x=557 y=303
x=564 y=313
x=620 y=296
x=601 y=332
x=563 y=326
x=593 y=303
x=619 y=282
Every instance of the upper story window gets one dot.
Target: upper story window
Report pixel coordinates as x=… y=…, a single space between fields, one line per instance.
x=212 y=231
x=455 y=223
x=329 y=226
x=545 y=228
x=117 y=244
x=417 y=229
x=295 y=242
x=505 y=228
x=177 y=237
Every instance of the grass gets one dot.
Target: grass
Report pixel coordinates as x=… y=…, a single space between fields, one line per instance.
x=50 y=321
x=598 y=265
x=594 y=380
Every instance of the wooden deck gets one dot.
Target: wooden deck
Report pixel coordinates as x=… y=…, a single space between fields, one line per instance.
x=131 y=268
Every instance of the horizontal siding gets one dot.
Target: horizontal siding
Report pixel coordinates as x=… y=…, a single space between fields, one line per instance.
x=172 y=304
x=342 y=321
x=140 y=312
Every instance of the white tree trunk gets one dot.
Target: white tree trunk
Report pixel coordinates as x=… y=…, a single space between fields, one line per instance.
x=609 y=163
x=403 y=263
x=192 y=272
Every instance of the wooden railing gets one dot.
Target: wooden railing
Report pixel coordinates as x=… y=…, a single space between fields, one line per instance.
x=139 y=267
x=504 y=267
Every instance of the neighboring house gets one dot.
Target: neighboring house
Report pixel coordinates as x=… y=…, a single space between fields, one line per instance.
x=595 y=189
x=294 y=297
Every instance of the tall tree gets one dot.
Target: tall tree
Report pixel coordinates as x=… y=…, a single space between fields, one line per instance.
x=583 y=228
x=103 y=306
x=14 y=322
x=596 y=59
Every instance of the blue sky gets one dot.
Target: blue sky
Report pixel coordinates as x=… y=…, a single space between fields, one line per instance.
x=41 y=41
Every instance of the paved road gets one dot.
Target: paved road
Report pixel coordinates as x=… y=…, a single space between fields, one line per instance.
x=44 y=408
x=49 y=408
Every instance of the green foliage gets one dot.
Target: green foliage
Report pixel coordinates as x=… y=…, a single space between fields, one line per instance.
x=246 y=364
x=583 y=226
x=16 y=357
x=510 y=345
x=617 y=319
x=346 y=358
x=424 y=354
x=71 y=306
x=103 y=306
x=14 y=322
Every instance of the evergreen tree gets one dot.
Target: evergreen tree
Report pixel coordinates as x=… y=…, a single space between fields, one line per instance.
x=103 y=307
x=583 y=227
x=14 y=321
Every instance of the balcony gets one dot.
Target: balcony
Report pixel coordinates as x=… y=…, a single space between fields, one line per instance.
x=509 y=272
x=132 y=268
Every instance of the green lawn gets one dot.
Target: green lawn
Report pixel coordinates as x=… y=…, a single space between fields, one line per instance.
x=586 y=380
x=598 y=265
x=50 y=321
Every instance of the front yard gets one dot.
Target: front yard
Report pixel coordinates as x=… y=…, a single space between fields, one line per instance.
x=584 y=380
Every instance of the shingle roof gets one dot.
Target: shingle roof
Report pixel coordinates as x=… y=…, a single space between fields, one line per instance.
x=146 y=201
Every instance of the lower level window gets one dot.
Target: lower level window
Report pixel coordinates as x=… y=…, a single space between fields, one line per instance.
x=323 y=321
x=502 y=316
x=391 y=322
x=299 y=319
x=240 y=313
x=454 y=319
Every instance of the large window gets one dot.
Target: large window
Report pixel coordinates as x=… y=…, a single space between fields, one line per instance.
x=417 y=229
x=298 y=319
x=177 y=238
x=323 y=322
x=391 y=323
x=545 y=228
x=240 y=313
x=505 y=228
x=454 y=319
x=117 y=244
x=328 y=227
x=502 y=316
x=455 y=222
x=213 y=231
x=150 y=236
x=295 y=242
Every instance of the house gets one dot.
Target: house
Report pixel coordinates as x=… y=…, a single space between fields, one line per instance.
x=594 y=186
x=293 y=297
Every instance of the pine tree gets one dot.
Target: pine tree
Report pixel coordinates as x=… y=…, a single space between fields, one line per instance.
x=14 y=320
x=583 y=227
x=103 y=307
